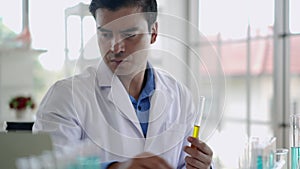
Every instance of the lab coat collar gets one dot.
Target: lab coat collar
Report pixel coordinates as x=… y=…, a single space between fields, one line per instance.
x=117 y=94
x=104 y=75
x=160 y=100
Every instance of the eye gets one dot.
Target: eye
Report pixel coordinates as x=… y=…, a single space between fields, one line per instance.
x=106 y=35
x=129 y=35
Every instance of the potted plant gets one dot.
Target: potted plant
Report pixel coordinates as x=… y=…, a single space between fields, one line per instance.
x=20 y=104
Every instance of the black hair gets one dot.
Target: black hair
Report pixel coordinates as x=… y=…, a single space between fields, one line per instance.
x=147 y=6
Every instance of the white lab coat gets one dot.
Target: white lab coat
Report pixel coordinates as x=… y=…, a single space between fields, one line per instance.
x=94 y=105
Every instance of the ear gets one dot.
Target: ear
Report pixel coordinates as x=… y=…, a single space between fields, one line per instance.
x=154 y=28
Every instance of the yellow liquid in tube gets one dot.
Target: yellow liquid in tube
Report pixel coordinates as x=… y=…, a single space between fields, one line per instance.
x=196 y=131
x=195 y=134
x=198 y=119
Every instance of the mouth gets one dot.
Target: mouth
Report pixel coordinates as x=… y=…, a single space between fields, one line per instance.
x=117 y=61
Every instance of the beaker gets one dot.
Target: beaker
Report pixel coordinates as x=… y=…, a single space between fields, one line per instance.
x=281 y=157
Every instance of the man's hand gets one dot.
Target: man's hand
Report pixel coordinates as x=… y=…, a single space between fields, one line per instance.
x=144 y=160
x=200 y=155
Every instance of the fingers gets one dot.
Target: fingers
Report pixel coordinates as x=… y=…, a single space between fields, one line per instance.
x=195 y=153
x=200 y=157
x=203 y=147
x=193 y=163
x=144 y=155
x=149 y=161
x=158 y=162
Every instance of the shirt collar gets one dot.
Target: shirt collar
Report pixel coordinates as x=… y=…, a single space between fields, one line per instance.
x=104 y=77
x=149 y=87
x=150 y=82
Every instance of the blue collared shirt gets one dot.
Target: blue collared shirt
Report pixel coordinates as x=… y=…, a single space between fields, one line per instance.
x=142 y=105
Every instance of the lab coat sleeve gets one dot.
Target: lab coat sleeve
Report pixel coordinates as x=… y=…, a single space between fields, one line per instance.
x=56 y=116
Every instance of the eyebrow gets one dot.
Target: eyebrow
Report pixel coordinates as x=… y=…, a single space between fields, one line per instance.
x=102 y=29
x=122 y=31
x=129 y=30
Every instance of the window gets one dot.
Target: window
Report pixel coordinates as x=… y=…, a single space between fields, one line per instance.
x=294 y=49
x=294 y=55
x=294 y=16
x=244 y=31
x=12 y=19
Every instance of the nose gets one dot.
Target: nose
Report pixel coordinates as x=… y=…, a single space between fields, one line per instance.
x=117 y=44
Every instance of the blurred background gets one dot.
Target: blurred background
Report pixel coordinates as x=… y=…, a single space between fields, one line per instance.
x=257 y=43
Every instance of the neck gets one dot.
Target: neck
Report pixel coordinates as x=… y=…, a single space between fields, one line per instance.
x=133 y=83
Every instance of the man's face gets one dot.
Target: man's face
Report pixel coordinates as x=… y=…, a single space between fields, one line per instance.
x=124 y=39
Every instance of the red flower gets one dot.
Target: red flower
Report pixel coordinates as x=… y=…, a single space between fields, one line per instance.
x=21 y=102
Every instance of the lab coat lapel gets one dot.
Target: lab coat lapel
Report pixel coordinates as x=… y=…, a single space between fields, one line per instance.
x=165 y=130
x=158 y=117
x=160 y=100
x=119 y=96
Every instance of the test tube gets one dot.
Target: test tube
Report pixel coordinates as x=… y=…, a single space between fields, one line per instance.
x=199 y=117
x=272 y=151
x=295 y=142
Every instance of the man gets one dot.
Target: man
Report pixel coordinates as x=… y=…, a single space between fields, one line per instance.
x=138 y=116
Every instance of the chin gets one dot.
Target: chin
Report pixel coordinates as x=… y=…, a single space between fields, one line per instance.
x=124 y=71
